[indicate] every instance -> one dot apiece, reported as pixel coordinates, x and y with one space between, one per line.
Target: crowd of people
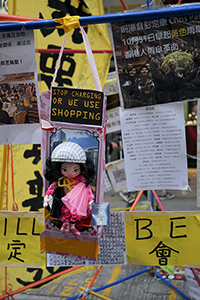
161 79
15 99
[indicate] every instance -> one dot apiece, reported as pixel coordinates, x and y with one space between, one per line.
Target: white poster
19 94
155 147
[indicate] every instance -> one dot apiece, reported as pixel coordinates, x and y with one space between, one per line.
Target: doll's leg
74 230
65 227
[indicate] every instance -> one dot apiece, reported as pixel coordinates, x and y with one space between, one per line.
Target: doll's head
69 159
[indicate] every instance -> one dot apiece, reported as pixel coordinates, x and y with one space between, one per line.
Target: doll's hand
46 201
90 204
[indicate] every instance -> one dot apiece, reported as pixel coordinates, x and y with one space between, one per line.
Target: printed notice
152 62
19 93
155 147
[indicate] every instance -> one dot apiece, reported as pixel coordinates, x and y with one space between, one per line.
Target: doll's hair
53 171
88 171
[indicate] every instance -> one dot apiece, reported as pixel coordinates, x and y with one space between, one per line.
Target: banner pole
174 11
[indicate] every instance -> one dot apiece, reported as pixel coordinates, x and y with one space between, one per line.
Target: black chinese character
162 252
16 245
63 76
35 188
34 152
38 275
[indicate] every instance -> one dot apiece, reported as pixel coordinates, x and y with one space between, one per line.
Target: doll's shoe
65 228
75 231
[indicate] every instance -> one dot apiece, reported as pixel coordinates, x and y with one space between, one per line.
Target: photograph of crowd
157 67
18 102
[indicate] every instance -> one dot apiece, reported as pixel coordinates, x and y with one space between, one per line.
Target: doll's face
70 170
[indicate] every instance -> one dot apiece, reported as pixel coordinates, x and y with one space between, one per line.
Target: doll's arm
48 199
51 188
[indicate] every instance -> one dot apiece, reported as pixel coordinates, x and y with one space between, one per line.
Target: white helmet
68 152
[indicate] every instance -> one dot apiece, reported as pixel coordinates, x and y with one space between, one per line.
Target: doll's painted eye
76 170
64 170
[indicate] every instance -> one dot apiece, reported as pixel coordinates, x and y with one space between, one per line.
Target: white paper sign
155 147
113 120
19 91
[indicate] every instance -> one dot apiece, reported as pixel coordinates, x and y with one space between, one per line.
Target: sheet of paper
113 120
155 147
21 134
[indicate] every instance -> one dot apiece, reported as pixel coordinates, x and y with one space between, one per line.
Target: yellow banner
74 69
163 238
20 239
21 178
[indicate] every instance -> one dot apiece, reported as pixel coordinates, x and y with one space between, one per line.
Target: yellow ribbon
68 23
64 181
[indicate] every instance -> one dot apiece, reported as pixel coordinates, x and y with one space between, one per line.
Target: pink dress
76 200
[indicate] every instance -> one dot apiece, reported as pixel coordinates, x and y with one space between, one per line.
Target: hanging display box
73 161
91 138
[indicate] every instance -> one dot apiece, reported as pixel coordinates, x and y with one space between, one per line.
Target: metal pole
174 11
172 286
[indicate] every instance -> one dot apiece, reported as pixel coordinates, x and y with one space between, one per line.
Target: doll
69 196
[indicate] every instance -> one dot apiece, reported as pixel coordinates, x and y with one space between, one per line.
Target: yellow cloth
68 23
